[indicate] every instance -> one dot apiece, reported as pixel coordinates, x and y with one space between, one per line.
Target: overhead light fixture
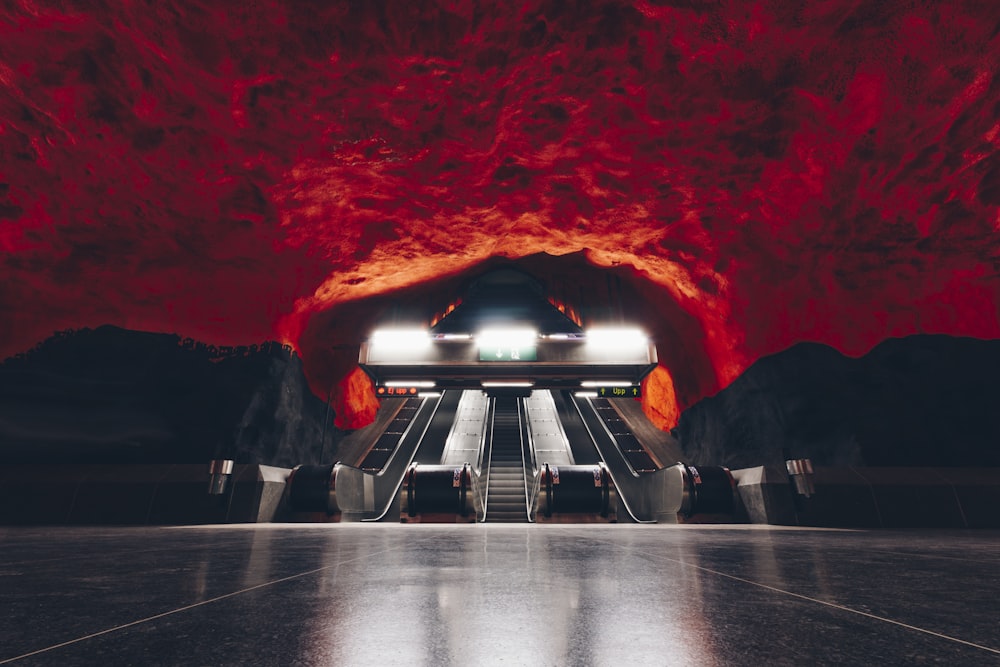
609 383
585 394
616 337
409 383
502 383
428 394
507 337
401 339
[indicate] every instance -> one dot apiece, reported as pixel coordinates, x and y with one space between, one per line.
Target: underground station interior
510 503
554 332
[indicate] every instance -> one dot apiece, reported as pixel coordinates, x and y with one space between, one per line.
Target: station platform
514 594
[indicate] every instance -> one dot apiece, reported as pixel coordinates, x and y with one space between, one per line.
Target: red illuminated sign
396 391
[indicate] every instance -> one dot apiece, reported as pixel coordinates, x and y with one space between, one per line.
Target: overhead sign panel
382 390
507 353
619 392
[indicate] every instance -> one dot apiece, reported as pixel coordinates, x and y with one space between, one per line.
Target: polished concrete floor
390 594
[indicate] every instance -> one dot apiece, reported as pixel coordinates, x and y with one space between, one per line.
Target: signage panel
508 353
619 392
395 391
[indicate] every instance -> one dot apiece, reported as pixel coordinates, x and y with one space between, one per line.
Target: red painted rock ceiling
761 173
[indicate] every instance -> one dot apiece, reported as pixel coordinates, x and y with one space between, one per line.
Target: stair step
505 500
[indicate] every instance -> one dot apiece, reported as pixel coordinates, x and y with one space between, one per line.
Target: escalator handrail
631 479
481 488
529 466
527 455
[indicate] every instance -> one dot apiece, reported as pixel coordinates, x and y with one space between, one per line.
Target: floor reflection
517 595
463 595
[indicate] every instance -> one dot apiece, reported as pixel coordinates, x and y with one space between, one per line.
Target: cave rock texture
111 395
761 173
914 401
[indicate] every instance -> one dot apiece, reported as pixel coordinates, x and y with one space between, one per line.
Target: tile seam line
195 605
833 605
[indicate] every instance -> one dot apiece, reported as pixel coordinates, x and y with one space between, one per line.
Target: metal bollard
801 473
219 471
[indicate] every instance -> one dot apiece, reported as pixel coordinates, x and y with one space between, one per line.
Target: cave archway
330 339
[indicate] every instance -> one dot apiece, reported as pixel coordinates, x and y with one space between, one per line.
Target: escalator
506 498
548 457
365 493
647 492
532 474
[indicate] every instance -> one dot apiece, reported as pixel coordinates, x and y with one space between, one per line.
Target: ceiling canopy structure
754 174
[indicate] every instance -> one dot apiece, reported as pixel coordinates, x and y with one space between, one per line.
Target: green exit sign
507 353
619 392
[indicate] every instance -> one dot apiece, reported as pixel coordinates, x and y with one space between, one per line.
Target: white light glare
507 337
409 339
409 383
585 394
608 383
499 383
616 338
428 394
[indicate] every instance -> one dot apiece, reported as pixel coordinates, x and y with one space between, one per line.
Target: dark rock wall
915 401
113 395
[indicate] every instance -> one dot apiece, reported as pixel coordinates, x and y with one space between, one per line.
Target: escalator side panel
580 442
548 439
432 445
468 431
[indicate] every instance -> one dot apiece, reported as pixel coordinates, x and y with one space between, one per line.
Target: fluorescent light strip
607 383
405 383
616 337
428 394
516 337
407 338
508 384
585 394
